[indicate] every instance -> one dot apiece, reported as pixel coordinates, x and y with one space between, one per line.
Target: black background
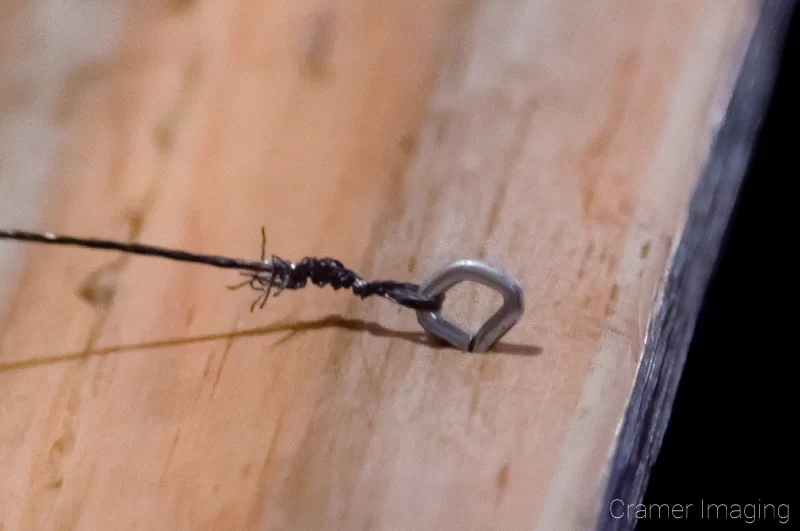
731 437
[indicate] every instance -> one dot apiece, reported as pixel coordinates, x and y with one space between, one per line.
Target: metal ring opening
497 325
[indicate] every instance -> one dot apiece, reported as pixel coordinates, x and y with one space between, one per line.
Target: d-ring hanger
269 277
497 325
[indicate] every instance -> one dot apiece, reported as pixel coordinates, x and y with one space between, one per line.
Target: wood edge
671 328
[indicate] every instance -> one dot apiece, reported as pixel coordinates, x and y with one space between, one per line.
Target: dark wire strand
137 248
268 277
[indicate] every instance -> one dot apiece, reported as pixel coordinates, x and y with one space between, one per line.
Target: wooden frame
593 150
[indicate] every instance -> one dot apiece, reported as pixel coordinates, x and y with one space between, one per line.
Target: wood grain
560 141
670 330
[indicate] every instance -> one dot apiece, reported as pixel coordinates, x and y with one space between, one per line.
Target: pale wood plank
558 140
671 328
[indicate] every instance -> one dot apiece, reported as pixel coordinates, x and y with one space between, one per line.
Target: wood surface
560 141
710 210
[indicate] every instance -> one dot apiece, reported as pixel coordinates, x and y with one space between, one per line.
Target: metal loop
495 328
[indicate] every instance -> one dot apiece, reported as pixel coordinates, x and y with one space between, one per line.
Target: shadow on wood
332 321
